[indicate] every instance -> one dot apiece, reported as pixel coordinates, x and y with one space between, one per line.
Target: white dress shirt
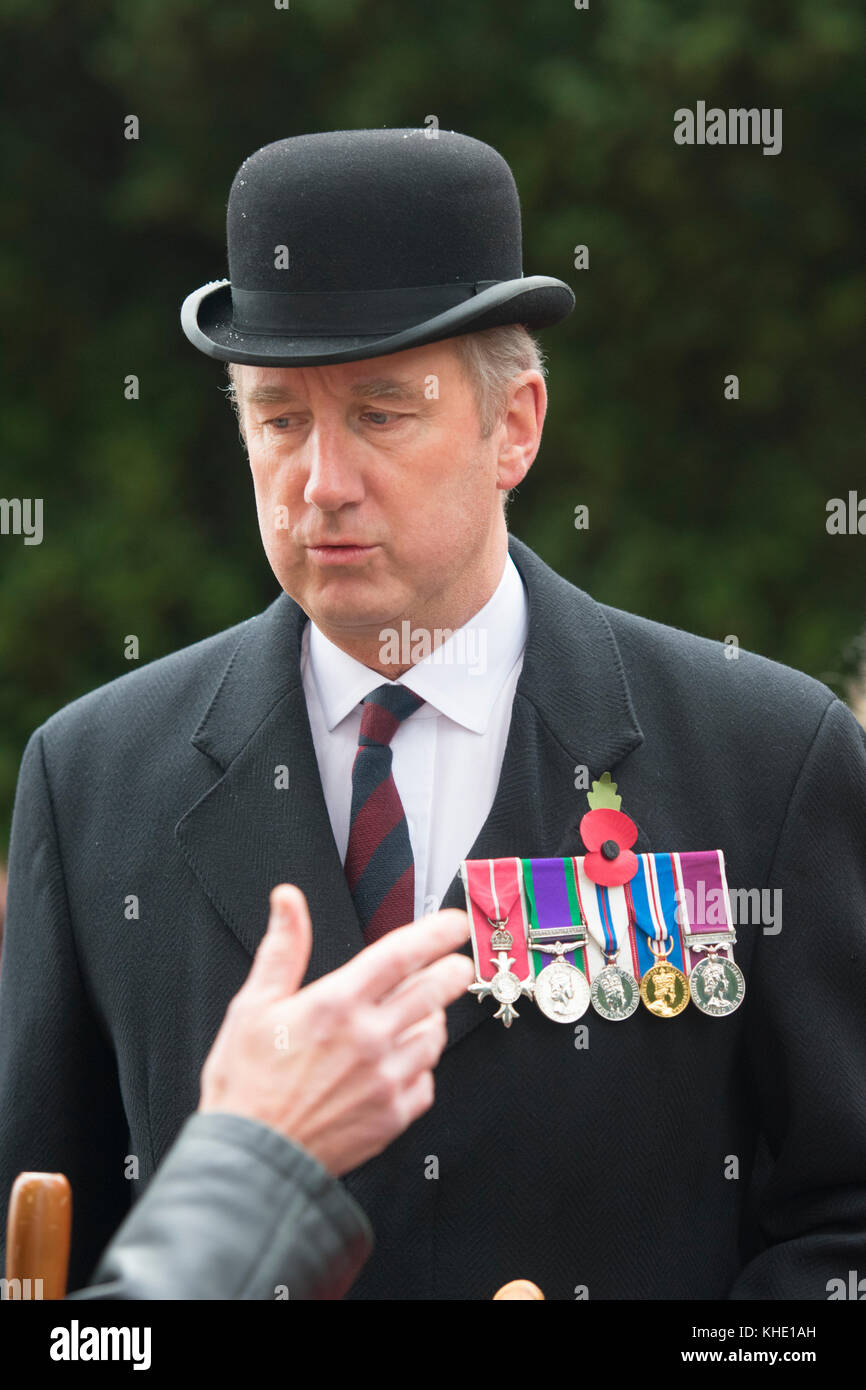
447 756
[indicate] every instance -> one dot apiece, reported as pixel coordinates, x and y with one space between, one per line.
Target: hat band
284 314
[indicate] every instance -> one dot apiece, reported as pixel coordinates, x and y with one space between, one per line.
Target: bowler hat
348 244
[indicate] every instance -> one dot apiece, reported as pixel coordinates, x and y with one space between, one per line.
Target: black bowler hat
356 243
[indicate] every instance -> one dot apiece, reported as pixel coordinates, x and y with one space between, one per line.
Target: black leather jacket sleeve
235 1211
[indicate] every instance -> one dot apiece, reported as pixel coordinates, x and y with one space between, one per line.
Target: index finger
376 970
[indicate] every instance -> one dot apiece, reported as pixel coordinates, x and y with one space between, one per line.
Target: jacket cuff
236 1211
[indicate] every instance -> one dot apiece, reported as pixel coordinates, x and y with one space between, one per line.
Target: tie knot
383 711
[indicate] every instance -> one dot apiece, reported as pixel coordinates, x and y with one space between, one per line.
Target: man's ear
524 419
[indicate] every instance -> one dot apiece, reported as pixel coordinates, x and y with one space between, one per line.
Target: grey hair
491 359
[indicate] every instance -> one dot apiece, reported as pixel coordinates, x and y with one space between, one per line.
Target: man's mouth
339 552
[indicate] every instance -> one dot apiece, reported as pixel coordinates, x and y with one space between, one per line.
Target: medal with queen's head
717 986
664 990
615 993
561 990
556 931
716 983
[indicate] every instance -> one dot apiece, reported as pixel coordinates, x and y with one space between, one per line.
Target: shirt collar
460 679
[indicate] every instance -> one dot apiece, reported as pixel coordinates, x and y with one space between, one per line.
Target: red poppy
609 836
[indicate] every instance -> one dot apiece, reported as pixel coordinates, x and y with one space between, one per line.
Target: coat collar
572 672
572 709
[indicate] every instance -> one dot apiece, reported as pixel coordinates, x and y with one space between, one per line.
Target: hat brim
536 301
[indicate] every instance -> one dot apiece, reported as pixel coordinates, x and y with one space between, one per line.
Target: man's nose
333 475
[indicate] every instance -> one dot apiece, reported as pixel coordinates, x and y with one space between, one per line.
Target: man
677 1158
247 1203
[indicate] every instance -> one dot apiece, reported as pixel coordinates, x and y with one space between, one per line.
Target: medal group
534 922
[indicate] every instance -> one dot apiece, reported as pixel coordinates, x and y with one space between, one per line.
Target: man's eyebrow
376 388
392 388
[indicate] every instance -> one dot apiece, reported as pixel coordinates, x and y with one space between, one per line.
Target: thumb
284 951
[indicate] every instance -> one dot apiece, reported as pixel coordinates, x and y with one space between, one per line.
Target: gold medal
664 989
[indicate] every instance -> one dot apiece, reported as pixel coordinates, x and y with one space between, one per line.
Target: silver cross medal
506 987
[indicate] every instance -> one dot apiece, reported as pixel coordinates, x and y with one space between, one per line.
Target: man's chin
342 603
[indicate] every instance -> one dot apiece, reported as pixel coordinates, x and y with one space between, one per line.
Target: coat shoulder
674 674
716 678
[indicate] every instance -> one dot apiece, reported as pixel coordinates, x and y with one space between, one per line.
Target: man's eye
378 418
384 416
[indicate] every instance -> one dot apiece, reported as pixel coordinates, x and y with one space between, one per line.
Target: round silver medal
717 986
615 993
561 992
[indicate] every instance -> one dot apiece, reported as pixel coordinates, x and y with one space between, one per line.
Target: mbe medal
561 988
495 910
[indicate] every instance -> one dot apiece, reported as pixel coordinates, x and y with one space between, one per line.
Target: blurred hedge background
704 513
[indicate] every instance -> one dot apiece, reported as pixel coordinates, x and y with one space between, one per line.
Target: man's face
377 498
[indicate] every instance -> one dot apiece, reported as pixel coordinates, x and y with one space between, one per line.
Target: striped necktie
380 870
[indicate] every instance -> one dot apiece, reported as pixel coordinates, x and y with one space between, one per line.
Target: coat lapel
247 834
572 709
